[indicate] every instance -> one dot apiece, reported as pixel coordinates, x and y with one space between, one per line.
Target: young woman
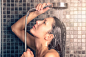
44 31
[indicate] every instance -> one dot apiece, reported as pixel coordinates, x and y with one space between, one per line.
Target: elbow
12 28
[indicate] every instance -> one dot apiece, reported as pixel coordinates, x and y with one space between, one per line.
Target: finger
41 6
37 8
44 4
28 49
24 53
31 52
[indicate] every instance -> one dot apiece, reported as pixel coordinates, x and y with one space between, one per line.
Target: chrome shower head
60 5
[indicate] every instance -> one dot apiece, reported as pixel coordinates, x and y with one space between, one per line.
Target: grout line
0 28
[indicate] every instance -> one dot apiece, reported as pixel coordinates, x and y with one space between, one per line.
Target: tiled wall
74 18
76 29
75 21
12 10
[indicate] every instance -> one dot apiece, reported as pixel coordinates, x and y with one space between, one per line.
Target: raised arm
18 27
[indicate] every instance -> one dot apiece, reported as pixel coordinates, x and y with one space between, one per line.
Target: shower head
60 5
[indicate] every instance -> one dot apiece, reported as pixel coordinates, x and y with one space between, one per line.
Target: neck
41 47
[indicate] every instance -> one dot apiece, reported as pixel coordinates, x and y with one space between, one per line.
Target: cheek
41 29
38 32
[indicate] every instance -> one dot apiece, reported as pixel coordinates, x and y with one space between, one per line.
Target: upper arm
52 54
29 38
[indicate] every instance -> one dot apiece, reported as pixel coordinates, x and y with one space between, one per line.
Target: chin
32 31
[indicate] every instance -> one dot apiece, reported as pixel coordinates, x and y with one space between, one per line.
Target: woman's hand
40 7
28 53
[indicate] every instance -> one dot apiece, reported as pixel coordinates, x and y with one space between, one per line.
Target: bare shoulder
52 53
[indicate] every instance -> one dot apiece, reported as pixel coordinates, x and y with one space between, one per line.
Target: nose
39 22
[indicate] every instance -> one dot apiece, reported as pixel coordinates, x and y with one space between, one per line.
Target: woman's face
41 27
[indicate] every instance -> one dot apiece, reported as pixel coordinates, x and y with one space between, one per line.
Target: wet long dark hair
56 31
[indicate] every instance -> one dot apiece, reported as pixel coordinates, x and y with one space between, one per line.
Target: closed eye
44 22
